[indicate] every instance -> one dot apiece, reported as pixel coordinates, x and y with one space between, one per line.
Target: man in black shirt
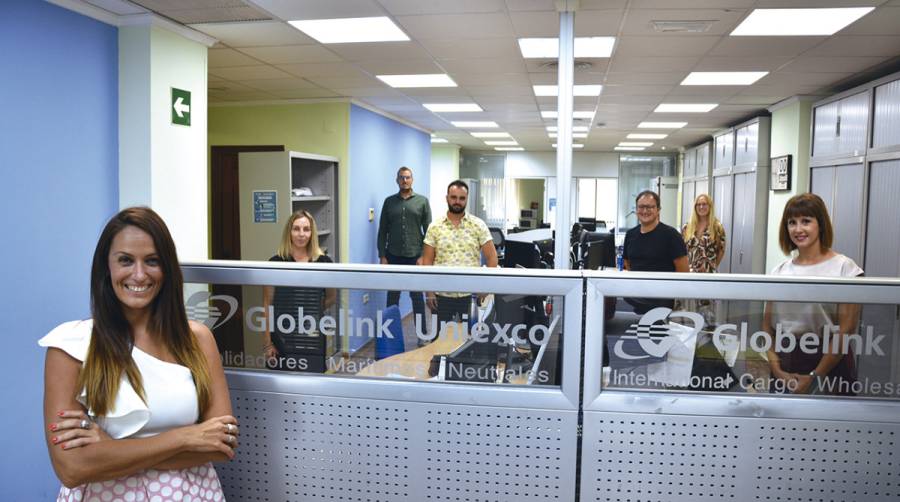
653 246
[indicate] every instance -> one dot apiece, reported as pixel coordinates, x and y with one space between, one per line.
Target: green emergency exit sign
181 107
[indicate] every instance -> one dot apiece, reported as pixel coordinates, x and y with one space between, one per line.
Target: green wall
790 136
531 190
319 128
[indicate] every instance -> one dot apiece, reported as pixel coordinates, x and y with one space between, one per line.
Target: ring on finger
229 428
85 423
230 439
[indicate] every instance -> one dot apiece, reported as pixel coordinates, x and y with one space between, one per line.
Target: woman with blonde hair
299 244
135 399
704 237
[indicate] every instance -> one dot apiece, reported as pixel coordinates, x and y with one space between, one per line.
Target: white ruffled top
169 388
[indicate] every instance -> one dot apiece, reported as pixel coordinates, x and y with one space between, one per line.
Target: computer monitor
522 255
601 252
589 224
527 213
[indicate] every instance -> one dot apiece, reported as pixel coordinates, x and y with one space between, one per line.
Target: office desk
414 363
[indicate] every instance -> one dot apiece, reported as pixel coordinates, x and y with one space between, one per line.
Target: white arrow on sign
180 107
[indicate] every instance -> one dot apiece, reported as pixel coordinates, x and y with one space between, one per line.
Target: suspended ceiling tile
501 100
510 107
385 100
801 4
400 67
530 5
317 9
523 91
219 15
535 24
287 54
765 46
722 21
631 78
322 69
258 72
673 45
710 91
882 21
472 48
802 79
652 64
492 79
244 96
418 7
659 91
345 82
425 92
455 26
805 64
379 50
597 65
857 45
482 66
691 4
223 58
753 100
254 34
305 94
279 84
742 63
601 4
597 23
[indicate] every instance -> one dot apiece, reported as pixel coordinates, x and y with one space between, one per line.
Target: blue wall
378 147
59 182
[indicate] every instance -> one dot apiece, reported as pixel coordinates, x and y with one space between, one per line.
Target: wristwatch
813 373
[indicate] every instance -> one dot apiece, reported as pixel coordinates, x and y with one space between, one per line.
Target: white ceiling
262 58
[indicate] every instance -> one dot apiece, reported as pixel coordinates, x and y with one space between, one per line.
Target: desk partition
352 408
690 406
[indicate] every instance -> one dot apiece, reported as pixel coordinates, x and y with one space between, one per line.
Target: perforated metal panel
302 448
644 458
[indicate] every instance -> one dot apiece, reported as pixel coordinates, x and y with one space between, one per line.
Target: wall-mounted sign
180 106
781 173
265 206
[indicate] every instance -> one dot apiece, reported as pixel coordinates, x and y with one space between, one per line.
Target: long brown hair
112 338
713 226
312 247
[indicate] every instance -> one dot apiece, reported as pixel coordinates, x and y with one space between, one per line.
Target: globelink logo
656 335
201 307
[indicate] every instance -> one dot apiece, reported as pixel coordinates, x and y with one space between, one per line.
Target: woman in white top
806 228
135 399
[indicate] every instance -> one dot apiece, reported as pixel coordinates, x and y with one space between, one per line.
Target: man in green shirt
405 217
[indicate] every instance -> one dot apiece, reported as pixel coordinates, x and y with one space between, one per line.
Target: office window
597 199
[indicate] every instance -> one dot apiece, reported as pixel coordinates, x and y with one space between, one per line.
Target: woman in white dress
806 228
135 400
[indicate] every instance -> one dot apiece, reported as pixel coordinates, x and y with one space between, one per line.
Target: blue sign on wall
265 205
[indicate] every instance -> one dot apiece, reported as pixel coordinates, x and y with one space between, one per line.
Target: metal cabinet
840 126
722 188
841 188
886 121
724 156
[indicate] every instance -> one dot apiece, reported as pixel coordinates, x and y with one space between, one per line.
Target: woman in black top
299 243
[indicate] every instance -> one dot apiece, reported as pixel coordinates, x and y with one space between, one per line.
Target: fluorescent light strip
635 143
661 125
798 22
552 114
723 77
630 148
585 47
491 134
574 128
423 80
575 135
475 124
351 30
685 107
574 145
642 135
502 143
509 148
577 90
452 107
439 140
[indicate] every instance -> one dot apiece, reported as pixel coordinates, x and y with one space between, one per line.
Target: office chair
499 241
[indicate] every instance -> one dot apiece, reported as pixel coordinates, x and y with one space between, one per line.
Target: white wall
444 169
163 165
543 164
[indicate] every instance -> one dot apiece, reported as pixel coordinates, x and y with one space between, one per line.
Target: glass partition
752 346
469 336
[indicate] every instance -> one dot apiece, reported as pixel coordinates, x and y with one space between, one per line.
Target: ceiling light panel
491 134
575 135
629 148
351 30
423 80
574 128
574 145
643 135
661 125
685 107
723 77
577 90
585 114
439 140
502 143
635 143
509 148
475 124
585 47
453 107
798 22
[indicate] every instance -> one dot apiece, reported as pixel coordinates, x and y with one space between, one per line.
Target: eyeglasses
702 204
404 177
645 208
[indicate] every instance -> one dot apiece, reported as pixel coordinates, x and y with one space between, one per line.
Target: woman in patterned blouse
704 237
